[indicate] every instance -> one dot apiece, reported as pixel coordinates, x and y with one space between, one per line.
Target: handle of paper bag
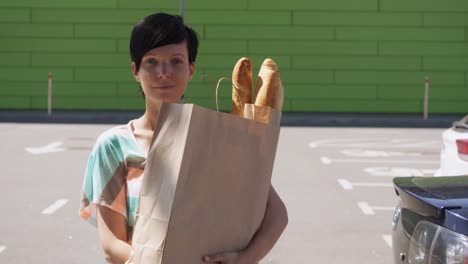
236 86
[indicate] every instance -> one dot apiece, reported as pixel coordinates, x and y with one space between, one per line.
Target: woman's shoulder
114 136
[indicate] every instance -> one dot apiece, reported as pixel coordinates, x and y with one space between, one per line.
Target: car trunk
432 194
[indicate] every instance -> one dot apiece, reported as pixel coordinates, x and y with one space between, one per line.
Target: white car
454 152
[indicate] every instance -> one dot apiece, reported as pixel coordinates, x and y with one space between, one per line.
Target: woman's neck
150 117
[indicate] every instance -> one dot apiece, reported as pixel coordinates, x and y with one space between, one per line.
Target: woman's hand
229 258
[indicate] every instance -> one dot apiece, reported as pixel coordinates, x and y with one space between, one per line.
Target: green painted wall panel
438 92
306 77
448 107
103 31
127 88
103 74
445 19
15 15
269 32
60 3
34 73
237 47
376 106
221 17
381 33
59 88
423 48
22 88
356 19
15 59
388 77
81 59
444 63
189 5
313 47
333 55
314 5
14 102
36 30
89 103
368 92
424 5
57 45
356 62
86 16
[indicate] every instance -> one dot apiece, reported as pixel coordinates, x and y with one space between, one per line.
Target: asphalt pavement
335 181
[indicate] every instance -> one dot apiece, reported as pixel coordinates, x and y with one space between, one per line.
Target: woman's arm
112 231
273 225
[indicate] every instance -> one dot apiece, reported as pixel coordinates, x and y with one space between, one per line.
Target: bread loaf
242 86
269 89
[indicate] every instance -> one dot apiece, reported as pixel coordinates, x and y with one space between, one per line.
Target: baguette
269 89
242 78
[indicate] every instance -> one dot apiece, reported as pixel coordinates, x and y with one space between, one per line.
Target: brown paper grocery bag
205 184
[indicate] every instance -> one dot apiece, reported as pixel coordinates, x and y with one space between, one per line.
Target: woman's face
164 72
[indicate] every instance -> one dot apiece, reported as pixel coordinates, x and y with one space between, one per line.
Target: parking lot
336 183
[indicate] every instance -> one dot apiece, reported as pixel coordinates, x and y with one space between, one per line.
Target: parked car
454 152
430 223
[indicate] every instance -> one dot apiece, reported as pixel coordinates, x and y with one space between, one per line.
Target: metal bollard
182 8
426 97
49 95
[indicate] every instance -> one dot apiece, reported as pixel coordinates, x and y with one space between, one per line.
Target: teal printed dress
113 175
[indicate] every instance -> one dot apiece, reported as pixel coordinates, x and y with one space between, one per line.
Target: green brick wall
334 55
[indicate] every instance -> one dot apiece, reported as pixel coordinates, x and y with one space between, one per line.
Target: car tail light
462 146
433 244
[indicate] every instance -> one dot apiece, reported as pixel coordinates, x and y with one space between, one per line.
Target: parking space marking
398 171
388 240
347 185
328 161
2 248
370 210
54 206
375 143
52 147
325 160
372 153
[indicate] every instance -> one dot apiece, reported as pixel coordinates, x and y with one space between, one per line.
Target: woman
163 51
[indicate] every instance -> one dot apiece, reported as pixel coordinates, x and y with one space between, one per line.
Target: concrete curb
288 119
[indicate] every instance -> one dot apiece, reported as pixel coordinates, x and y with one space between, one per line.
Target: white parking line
325 160
365 208
2 248
388 240
398 171
370 210
347 185
54 206
328 161
375 143
52 147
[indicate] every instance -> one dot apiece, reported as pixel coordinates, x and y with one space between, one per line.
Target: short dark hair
158 30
